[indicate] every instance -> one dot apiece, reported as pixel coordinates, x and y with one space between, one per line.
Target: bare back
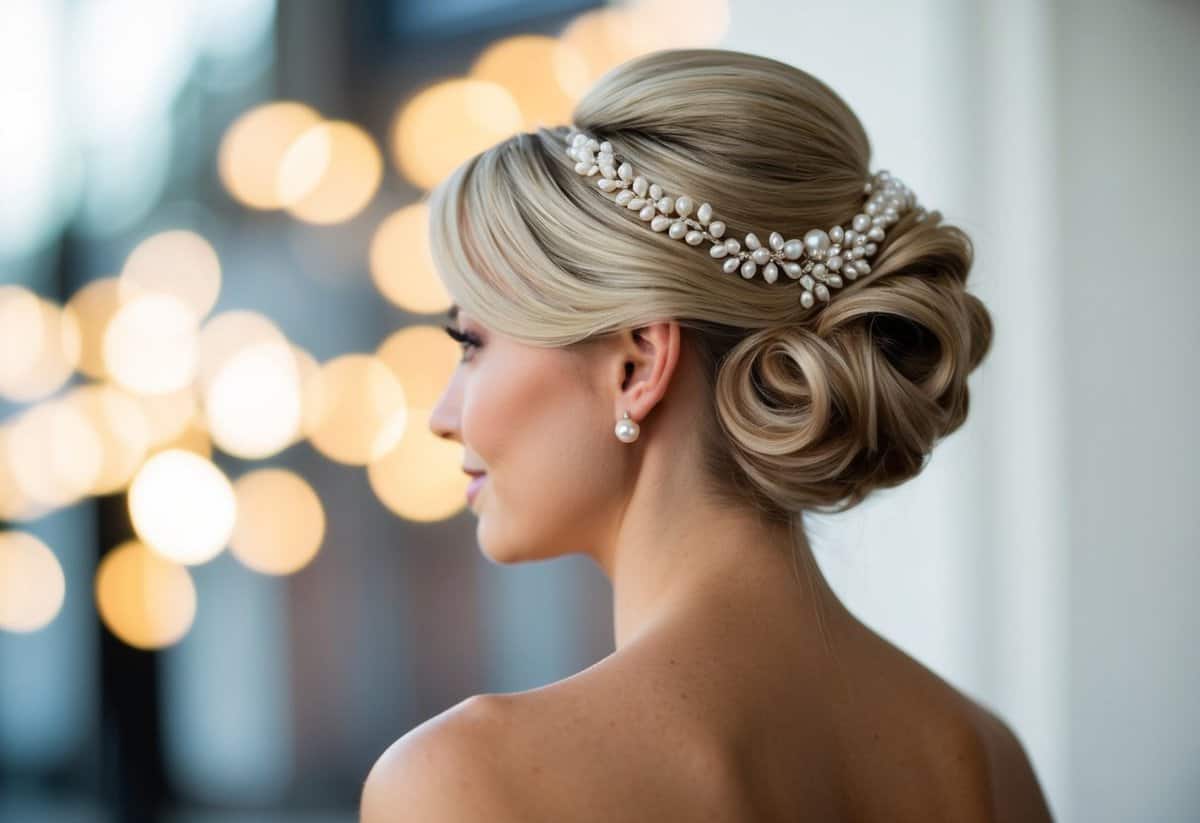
688 728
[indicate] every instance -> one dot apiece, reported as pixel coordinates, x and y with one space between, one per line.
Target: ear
649 357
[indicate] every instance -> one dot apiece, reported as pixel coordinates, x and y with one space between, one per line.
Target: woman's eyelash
462 337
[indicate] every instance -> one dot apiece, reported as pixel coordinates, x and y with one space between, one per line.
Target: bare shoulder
970 765
445 769
1016 793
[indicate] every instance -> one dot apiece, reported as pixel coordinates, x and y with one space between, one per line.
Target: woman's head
785 408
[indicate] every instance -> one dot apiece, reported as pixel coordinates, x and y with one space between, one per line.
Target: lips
475 485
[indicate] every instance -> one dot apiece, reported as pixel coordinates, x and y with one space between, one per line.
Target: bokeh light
423 358
54 454
250 384
657 24
253 147
20 334
421 478
280 521
94 305
194 439
354 409
401 264
40 345
150 344
608 36
182 506
448 122
545 75
145 599
330 173
253 404
122 431
169 414
32 584
228 334
604 37
179 263
307 366
15 504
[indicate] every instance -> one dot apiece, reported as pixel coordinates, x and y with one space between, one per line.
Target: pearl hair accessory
627 429
831 257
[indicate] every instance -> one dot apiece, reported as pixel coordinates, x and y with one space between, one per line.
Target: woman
686 320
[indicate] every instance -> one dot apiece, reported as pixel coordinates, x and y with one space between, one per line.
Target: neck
707 561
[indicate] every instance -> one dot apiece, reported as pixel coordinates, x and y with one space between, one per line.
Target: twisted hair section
819 415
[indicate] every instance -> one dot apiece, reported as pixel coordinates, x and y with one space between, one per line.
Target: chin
503 558
506 552
494 550
500 553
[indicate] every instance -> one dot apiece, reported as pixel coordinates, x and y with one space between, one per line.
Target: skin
738 689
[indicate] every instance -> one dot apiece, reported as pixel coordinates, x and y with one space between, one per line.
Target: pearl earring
627 430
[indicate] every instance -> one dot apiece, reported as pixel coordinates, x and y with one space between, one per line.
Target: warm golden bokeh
657 24
15 504
354 409
545 76
182 506
193 438
180 263
307 366
423 359
330 173
20 334
32 584
123 431
401 264
605 37
252 405
280 522
94 305
40 344
225 335
253 147
168 415
54 453
150 344
608 36
143 598
421 478
448 122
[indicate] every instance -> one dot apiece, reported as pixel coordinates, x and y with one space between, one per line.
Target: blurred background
234 563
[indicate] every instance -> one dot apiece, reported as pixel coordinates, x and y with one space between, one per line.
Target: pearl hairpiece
830 257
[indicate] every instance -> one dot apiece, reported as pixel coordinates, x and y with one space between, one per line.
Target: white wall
1129 116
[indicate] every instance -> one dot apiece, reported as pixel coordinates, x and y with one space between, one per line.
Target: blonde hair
812 409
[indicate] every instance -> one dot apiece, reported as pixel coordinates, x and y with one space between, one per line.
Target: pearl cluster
822 260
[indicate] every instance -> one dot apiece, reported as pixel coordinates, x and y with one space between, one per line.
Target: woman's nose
443 420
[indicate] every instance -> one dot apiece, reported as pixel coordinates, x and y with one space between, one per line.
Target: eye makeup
466 338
